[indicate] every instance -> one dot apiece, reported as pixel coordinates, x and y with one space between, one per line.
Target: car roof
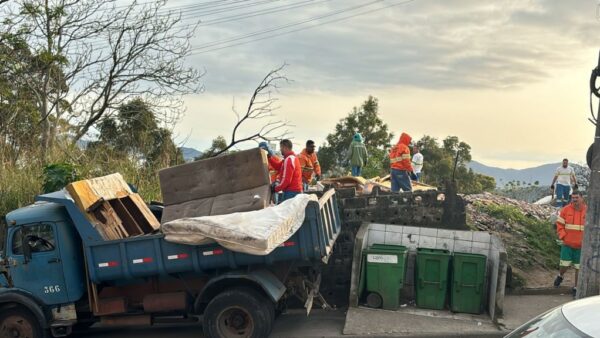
583 314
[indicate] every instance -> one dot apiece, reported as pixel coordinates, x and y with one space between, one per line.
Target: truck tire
19 322
238 313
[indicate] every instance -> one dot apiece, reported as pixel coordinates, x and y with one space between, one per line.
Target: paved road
292 325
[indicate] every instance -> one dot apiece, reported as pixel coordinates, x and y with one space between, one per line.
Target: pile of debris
529 238
484 222
365 186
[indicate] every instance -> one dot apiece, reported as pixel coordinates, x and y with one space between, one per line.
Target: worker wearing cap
310 164
289 172
569 226
401 167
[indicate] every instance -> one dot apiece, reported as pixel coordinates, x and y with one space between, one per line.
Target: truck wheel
17 322
238 313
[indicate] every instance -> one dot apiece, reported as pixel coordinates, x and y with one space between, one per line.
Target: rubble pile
485 222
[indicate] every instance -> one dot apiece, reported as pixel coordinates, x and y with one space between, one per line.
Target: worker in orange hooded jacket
569 227
310 164
401 166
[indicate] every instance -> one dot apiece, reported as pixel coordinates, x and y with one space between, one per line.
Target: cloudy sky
508 77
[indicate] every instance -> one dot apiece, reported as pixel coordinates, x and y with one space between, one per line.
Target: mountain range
542 174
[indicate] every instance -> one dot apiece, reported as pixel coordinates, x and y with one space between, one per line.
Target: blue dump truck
58 275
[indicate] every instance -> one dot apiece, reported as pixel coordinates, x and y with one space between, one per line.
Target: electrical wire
205 48
297 23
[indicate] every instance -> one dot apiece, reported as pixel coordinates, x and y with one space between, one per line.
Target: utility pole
589 275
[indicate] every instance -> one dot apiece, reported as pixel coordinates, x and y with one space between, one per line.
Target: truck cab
43 266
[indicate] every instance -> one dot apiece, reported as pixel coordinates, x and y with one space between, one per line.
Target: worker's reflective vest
570 225
400 154
310 165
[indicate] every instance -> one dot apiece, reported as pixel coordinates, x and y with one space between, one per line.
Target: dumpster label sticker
386 259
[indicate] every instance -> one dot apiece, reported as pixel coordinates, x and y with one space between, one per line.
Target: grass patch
539 235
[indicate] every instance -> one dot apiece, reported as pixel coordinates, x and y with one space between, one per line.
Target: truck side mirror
25 246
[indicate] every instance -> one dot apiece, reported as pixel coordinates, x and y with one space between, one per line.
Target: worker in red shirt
289 172
569 227
310 164
401 166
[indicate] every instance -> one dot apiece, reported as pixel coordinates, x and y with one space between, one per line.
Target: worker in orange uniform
289 171
401 166
273 173
569 226
310 164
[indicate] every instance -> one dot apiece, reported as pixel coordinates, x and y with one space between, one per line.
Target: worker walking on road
273 173
417 162
570 226
357 155
289 171
563 177
310 164
401 166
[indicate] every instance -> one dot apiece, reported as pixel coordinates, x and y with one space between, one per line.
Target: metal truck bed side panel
151 255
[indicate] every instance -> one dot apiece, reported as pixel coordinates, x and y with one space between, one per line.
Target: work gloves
575 187
318 177
552 187
264 146
413 176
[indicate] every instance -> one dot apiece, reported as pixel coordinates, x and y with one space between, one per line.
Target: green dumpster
385 269
431 282
468 280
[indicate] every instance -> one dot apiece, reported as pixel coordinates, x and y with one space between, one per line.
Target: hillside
528 234
189 154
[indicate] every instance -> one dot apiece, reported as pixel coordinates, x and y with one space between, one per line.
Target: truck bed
152 255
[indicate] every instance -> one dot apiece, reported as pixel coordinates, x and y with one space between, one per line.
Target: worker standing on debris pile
310 164
357 155
401 166
564 177
570 226
417 162
273 173
289 171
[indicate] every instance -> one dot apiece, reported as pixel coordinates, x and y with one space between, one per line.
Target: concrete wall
476 242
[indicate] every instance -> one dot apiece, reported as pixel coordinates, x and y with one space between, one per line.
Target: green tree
217 146
440 160
365 120
134 134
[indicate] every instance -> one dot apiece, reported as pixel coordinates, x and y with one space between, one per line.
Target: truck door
35 262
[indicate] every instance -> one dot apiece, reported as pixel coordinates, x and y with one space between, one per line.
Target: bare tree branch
261 106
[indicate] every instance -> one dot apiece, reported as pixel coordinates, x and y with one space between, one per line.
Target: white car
579 318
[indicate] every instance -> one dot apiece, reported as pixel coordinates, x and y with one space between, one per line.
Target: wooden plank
145 211
129 222
109 222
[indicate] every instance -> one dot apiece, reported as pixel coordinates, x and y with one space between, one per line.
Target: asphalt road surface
290 325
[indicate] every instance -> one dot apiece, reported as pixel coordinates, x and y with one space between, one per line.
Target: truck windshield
551 324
